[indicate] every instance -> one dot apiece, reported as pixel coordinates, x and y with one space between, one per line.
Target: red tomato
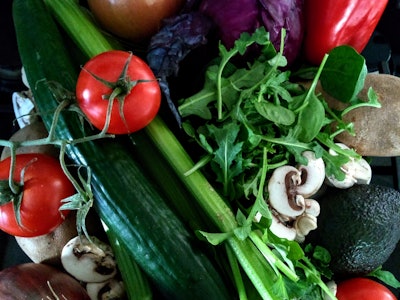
133 19
140 104
363 289
44 186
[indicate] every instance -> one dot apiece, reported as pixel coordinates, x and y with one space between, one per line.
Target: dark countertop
10 65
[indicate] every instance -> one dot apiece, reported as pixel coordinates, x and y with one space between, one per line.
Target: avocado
359 226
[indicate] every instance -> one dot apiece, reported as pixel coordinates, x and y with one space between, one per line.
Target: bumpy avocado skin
359 226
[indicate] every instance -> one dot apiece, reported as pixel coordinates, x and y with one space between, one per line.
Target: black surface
10 66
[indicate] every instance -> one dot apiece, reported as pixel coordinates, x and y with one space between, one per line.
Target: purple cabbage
234 17
182 34
169 47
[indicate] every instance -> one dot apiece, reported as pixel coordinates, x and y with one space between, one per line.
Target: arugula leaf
310 120
227 162
275 113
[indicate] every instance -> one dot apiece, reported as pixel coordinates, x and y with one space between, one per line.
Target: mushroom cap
87 261
358 171
281 230
304 224
282 189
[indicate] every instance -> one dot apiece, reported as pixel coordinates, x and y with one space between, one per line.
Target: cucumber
125 199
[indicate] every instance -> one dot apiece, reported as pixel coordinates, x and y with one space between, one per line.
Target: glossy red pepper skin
332 23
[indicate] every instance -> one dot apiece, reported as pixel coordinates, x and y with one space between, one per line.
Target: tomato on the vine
42 184
128 78
363 289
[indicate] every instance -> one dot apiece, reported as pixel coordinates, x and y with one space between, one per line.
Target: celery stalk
208 198
213 204
80 27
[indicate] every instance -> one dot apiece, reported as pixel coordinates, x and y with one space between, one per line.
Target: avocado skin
359 226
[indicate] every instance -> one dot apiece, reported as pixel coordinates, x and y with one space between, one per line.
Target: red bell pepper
332 23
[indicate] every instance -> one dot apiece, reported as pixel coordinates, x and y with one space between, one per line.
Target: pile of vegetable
186 166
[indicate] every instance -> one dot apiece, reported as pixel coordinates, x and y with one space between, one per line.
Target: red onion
39 281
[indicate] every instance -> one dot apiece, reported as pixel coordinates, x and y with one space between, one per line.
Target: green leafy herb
386 277
246 109
251 120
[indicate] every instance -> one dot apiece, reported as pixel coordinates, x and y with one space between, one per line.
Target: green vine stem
50 140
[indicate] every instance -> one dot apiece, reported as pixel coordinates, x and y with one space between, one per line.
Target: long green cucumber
126 200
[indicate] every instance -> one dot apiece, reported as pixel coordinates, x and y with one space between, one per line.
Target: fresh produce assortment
211 180
147 228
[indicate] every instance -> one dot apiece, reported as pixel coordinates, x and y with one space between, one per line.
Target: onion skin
133 20
33 281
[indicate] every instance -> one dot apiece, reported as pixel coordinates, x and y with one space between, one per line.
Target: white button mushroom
288 192
303 225
87 261
312 207
282 191
356 172
289 186
280 229
332 286
110 289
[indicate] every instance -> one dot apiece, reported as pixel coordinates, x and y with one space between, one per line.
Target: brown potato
47 248
377 129
33 131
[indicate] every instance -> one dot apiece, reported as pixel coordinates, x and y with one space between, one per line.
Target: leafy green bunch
244 110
